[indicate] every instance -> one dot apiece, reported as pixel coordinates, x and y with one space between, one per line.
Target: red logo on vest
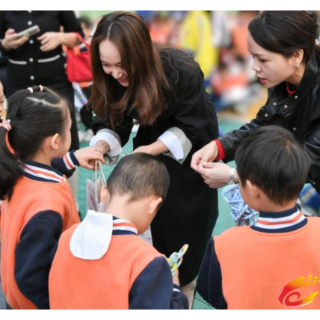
289 295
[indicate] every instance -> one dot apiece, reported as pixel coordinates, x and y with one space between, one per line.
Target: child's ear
104 195
55 140
154 205
253 190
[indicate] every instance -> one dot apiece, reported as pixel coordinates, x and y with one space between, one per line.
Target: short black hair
140 175
274 161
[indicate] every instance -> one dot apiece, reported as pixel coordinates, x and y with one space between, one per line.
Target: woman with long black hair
163 90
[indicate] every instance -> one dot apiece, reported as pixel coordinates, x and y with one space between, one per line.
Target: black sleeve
231 140
2 33
34 255
209 283
312 146
60 164
192 112
123 129
154 289
70 22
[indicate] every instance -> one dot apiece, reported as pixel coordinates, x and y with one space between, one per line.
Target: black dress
190 210
29 66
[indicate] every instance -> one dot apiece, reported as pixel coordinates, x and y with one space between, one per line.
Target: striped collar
123 227
41 172
92 237
279 222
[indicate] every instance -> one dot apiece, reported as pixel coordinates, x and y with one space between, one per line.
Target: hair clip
30 89
41 87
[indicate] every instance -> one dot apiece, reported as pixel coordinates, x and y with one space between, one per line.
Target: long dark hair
285 32
148 85
33 117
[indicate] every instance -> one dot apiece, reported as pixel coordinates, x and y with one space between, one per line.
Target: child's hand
87 157
175 278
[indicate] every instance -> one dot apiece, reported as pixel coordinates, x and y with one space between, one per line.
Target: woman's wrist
63 38
158 147
5 45
103 146
233 176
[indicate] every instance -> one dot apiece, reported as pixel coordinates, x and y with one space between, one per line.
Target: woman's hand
155 148
87 157
215 174
51 40
208 153
143 149
12 41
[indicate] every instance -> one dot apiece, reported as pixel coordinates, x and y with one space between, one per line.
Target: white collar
92 237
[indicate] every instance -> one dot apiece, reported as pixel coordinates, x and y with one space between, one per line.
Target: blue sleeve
60 164
209 283
154 289
34 255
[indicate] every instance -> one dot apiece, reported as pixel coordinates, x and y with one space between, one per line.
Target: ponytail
35 113
10 171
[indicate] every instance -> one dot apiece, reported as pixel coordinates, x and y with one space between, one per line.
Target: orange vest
98 284
29 197
270 270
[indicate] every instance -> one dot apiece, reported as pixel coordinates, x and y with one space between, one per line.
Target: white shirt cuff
173 144
110 138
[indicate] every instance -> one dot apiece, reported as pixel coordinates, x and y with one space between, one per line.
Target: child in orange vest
273 264
101 263
38 204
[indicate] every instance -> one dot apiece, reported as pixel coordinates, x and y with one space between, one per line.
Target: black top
299 113
189 107
28 64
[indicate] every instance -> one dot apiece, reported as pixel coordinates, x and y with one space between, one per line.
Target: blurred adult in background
39 59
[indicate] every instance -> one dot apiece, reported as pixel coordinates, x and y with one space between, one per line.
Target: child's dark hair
140 175
274 161
33 117
285 32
